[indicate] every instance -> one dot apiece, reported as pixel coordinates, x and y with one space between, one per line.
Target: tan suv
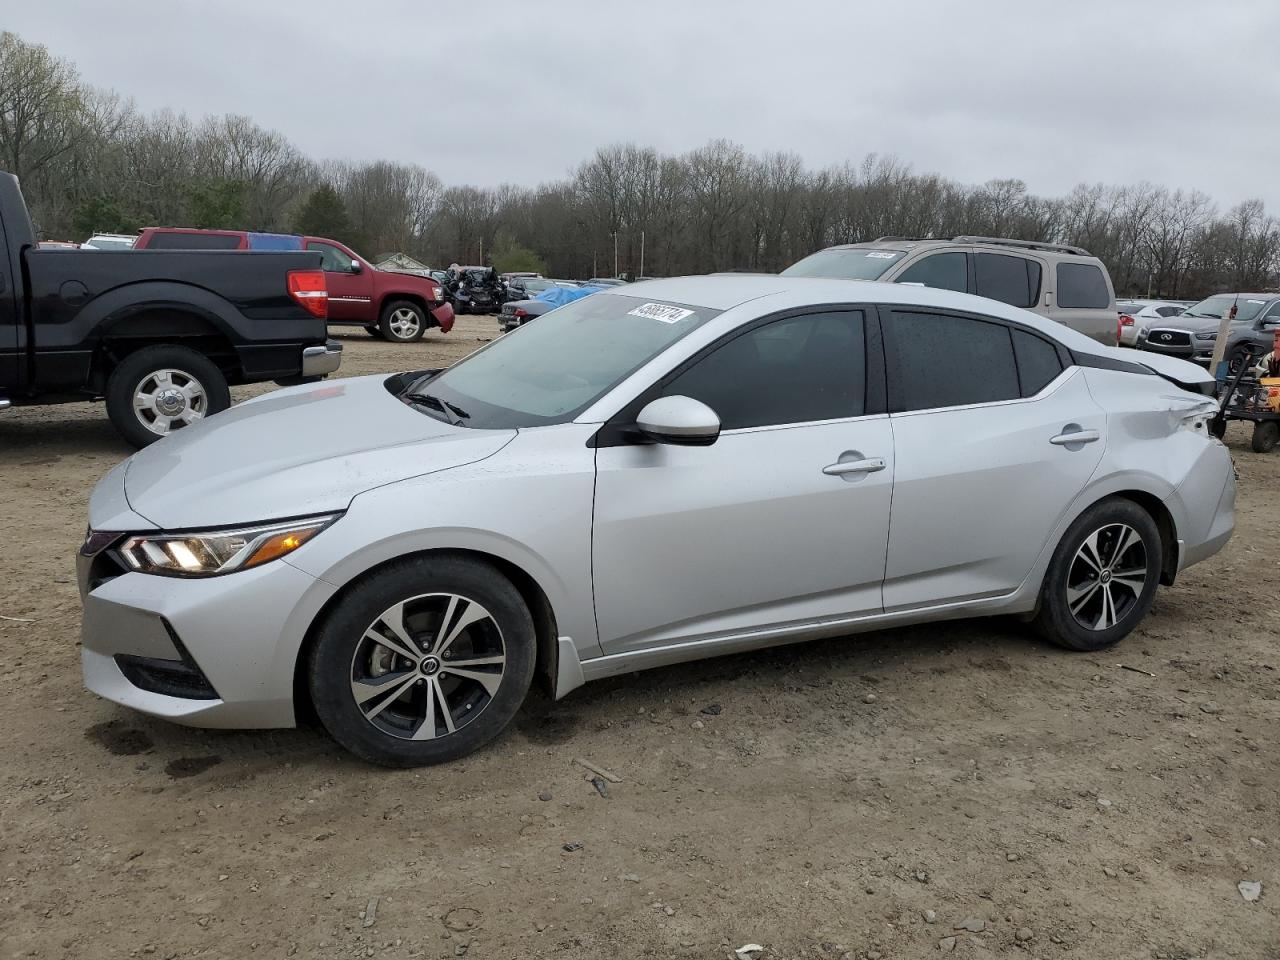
1062 283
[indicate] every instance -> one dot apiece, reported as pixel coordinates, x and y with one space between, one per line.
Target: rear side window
945 271
1169 311
937 360
193 241
1038 361
796 370
1082 286
1011 280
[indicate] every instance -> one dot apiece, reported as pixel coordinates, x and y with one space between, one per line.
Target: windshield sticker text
660 312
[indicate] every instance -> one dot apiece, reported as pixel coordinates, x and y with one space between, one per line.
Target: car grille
1169 338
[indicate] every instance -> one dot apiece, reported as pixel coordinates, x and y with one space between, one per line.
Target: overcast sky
1185 94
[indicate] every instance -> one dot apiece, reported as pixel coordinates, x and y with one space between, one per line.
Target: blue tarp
559 296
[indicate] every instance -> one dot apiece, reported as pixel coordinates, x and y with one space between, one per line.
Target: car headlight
437 293
218 551
1206 336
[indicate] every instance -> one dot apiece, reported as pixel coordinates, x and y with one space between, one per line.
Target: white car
657 473
1137 315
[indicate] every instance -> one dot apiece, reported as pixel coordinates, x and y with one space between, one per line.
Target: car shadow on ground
542 722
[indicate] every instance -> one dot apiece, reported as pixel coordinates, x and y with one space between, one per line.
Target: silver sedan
662 472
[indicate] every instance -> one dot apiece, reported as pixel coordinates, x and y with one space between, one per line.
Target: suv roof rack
1026 244
900 239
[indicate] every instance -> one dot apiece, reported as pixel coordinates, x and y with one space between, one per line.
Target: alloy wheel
165 400
1106 577
404 323
428 666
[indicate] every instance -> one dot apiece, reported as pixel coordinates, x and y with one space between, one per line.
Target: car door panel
978 489
748 533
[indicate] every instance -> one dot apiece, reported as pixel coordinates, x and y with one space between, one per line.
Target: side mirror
679 420
356 266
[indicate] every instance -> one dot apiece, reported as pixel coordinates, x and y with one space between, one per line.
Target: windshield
1216 307
845 263
550 371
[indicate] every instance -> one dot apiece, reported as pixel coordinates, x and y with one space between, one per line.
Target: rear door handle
1076 436
840 469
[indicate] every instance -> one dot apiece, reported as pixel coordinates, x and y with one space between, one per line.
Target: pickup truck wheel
402 322
159 390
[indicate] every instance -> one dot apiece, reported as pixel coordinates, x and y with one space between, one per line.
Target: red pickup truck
396 306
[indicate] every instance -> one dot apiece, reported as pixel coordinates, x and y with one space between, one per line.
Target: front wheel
158 390
1102 579
402 322
423 662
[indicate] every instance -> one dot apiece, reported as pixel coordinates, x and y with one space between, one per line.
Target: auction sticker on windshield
660 311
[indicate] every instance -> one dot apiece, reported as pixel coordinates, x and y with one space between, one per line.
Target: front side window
939 360
1011 280
944 271
331 258
1272 316
1169 311
550 371
845 263
1082 286
796 370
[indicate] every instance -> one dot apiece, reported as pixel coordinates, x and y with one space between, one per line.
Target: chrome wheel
404 323
428 666
166 400
1106 577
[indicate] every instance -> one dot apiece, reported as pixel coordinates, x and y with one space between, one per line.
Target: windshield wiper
444 406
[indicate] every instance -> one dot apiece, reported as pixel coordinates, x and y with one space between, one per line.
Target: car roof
727 291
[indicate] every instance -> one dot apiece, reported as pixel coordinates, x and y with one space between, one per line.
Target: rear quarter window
1082 286
1009 279
193 241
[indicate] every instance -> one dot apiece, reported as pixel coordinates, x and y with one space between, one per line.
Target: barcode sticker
660 312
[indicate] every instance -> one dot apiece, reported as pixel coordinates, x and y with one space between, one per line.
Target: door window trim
620 431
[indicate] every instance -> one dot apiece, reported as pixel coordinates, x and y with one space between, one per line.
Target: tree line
90 161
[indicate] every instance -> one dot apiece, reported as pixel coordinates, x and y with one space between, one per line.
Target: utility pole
615 254
641 273
482 251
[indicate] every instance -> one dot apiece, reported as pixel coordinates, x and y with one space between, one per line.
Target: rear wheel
1102 578
1265 435
402 322
423 662
159 390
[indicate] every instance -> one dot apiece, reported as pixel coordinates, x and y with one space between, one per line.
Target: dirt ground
859 797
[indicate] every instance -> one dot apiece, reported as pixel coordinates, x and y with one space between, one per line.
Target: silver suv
1060 282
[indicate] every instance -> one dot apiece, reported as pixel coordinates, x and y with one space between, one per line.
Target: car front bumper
232 641
320 361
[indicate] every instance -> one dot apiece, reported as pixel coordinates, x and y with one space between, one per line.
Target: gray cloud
1183 94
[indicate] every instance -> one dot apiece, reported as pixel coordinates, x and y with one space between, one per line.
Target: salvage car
159 336
475 289
390 304
645 476
1059 281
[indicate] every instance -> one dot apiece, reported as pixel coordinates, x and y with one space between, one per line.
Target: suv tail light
308 288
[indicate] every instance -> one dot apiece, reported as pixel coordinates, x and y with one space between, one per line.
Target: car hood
294 452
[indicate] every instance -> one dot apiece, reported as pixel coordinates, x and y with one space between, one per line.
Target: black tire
1238 356
1077 629
137 373
373 331
1265 435
402 322
343 656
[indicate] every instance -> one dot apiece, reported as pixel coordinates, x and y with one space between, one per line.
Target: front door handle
845 467
1075 436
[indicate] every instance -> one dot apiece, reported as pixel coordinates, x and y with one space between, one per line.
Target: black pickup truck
158 335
